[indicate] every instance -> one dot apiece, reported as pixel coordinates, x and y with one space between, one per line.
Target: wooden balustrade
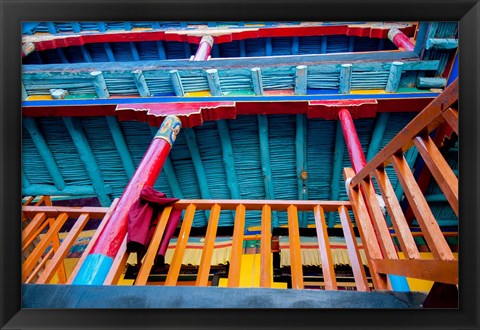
377 239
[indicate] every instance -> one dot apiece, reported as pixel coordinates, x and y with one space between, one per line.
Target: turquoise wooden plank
198 165
121 144
43 189
243 52
80 141
135 55
377 134
265 159
336 169
25 182
51 27
351 44
301 80
109 51
214 82
228 159
295 45
394 77
257 81
436 198
24 92
268 47
441 43
141 84
425 82
301 163
162 54
323 45
422 35
345 78
44 151
177 83
100 84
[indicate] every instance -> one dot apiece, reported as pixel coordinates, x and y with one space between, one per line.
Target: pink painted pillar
400 39
204 49
352 141
97 264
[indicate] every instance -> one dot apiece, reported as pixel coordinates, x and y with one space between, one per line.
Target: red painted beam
371 31
110 239
400 39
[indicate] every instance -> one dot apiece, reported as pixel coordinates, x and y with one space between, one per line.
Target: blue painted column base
94 270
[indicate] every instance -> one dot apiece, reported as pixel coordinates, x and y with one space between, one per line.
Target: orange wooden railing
380 250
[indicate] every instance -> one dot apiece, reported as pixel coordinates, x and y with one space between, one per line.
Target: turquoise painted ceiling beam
301 163
228 159
377 135
44 151
121 144
336 169
87 157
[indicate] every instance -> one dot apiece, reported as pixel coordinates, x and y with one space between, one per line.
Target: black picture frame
13 12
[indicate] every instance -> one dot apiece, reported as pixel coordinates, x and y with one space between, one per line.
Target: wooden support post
121 145
243 52
177 83
351 44
214 82
237 248
44 151
198 165
425 82
257 81
182 241
266 248
161 50
134 50
100 85
141 84
301 80
345 78
295 252
265 159
96 266
400 39
295 45
87 157
228 159
324 249
204 49
394 77
32 227
205 261
353 250
268 47
337 169
411 156
118 265
323 45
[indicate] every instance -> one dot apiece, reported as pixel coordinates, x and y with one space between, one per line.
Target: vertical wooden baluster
266 248
324 249
451 116
204 268
92 241
39 267
353 251
36 222
152 250
295 252
441 171
62 275
182 241
237 248
36 234
404 235
62 251
429 225
372 248
118 264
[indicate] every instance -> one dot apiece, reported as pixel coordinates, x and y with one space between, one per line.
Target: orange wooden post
266 248
34 235
324 249
62 251
152 250
33 258
92 241
36 222
430 228
182 241
295 252
441 171
237 248
353 251
205 261
62 275
39 267
118 264
372 248
404 235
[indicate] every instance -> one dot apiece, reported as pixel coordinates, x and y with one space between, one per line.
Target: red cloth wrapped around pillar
142 220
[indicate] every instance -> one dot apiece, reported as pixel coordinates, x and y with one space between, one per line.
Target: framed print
250 165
